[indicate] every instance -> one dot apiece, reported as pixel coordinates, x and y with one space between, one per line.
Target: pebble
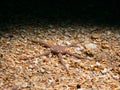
117 35
1 83
91 46
116 77
105 70
118 88
98 64
105 46
95 36
42 70
77 48
68 43
50 81
108 32
81 89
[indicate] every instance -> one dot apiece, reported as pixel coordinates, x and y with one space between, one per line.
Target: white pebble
81 89
42 70
91 46
117 35
105 70
77 48
50 81
116 76
98 64
68 43
1 83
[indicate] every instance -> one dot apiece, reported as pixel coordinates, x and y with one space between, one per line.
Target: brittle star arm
75 55
62 62
72 45
38 55
42 43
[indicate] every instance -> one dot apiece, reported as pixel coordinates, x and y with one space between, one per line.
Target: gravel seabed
101 44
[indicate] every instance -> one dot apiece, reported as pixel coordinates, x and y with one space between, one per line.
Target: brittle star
56 49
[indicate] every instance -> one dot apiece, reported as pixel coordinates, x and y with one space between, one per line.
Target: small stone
118 88
92 66
108 32
1 83
105 46
105 70
18 83
42 70
81 89
98 64
68 43
50 81
95 36
116 77
77 48
117 35
91 46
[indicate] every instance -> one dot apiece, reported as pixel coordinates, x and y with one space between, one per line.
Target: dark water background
92 11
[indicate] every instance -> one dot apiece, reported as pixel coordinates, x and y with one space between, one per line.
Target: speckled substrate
100 70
